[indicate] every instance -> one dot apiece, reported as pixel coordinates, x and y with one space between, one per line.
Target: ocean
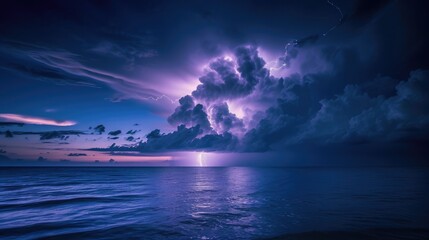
214 203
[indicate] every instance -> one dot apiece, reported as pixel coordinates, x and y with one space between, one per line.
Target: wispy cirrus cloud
64 67
35 120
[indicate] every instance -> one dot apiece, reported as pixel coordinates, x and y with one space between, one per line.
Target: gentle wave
75 200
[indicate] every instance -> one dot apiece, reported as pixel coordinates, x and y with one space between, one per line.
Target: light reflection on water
209 203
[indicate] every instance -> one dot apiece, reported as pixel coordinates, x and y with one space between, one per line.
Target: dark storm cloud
225 80
404 115
351 117
8 124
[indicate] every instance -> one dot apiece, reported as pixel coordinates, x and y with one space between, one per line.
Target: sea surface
214 203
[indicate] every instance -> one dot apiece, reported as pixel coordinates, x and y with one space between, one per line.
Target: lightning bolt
278 65
157 98
340 20
201 159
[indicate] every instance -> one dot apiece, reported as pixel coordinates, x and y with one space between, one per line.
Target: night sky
214 82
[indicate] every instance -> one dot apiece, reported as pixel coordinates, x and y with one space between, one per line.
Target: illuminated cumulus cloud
228 79
35 120
224 120
190 114
203 119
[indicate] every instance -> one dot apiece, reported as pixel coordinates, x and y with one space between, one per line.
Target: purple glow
35 120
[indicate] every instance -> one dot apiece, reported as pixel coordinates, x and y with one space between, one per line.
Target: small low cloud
100 129
35 120
8 134
62 135
132 132
47 135
115 133
10 124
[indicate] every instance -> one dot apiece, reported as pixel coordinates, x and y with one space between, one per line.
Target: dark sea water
214 203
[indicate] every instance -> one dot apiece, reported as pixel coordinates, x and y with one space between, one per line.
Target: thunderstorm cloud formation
288 117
